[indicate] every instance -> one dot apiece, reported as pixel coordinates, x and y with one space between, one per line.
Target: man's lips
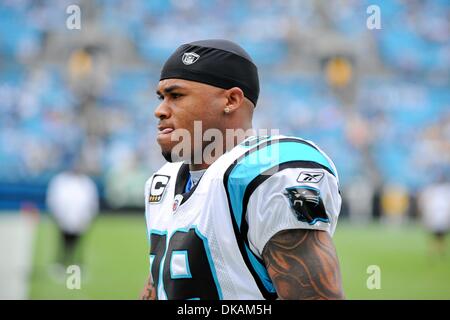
165 130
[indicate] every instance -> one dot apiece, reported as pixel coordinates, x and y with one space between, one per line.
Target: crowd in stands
377 101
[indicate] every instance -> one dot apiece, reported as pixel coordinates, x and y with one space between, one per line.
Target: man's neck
196 167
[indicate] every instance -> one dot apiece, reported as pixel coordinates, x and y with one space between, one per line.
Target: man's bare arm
149 292
303 265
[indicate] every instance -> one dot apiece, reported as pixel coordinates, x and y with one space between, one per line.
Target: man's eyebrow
169 89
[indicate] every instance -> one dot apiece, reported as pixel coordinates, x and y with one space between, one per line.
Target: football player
252 222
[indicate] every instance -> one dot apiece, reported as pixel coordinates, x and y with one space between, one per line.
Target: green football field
116 261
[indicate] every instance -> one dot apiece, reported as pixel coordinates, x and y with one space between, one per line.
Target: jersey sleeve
294 198
279 184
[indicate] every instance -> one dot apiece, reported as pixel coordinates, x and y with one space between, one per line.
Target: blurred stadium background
377 101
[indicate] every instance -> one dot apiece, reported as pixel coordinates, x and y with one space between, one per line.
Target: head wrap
220 63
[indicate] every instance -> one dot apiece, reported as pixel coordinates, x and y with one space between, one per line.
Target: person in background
434 205
73 201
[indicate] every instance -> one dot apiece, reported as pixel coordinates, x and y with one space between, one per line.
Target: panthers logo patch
307 204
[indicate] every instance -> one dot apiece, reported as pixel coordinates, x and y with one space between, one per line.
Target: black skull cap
217 62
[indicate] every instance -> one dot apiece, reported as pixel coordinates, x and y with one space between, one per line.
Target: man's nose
162 111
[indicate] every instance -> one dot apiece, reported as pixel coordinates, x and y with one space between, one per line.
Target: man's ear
235 98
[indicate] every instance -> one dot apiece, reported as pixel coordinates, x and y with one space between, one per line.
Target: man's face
182 103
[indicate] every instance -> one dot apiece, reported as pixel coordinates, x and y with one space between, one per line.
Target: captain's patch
158 187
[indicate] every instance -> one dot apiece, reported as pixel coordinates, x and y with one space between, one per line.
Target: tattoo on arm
149 291
303 265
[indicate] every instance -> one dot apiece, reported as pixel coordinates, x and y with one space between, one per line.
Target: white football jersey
208 243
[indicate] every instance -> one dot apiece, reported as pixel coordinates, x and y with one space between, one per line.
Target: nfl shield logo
176 203
190 58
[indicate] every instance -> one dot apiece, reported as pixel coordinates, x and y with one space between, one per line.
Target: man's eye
175 95
160 98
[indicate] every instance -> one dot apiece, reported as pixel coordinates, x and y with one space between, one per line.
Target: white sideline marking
16 248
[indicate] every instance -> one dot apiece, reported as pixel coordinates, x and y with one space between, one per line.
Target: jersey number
187 270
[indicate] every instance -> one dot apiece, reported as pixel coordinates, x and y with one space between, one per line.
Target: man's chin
166 150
